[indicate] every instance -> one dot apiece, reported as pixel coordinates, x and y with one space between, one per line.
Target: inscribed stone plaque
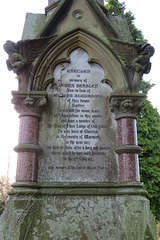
77 131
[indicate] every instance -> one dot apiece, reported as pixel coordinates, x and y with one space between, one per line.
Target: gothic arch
99 52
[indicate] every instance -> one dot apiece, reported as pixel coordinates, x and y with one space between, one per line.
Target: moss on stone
77 218
33 25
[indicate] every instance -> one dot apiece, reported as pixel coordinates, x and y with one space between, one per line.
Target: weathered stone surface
120 25
51 1
101 1
78 132
29 107
127 105
79 56
33 25
64 17
77 218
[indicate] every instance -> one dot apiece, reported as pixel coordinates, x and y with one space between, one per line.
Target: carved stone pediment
78 27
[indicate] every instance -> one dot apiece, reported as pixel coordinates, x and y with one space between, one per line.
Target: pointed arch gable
58 51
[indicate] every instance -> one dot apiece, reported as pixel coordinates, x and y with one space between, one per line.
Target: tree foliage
115 8
148 122
148 125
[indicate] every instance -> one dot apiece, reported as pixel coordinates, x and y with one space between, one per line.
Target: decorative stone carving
21 57
127 105
136 60
62 49
67 159
126 108
15 61
29 104
141 64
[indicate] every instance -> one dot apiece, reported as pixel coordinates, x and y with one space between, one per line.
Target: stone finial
127 105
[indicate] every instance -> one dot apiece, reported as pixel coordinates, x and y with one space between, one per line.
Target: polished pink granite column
129 167
28 130
127 131
128 162
29 106
27 166
126 107
27 161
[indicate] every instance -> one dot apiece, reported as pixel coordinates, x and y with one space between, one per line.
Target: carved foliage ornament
29 105
127 106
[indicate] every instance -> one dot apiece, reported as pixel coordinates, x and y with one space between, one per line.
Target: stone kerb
29 106
126 108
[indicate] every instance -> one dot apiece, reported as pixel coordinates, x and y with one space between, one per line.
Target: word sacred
78 71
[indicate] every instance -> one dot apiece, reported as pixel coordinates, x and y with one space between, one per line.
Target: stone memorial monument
77 168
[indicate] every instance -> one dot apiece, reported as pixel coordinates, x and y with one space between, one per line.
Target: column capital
127 105
29 104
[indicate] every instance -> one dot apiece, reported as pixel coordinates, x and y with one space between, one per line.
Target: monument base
77 211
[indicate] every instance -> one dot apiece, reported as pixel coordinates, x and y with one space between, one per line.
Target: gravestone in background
77 166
